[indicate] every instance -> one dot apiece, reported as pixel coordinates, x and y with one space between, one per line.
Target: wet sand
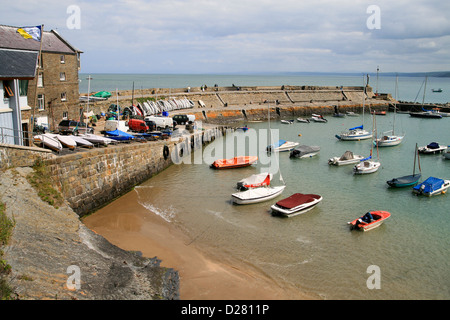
126 224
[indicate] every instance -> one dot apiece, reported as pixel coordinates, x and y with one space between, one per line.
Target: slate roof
52 41
17 64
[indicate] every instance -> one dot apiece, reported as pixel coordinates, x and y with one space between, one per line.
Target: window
62 58
65 115
41 104
40 80
23 88
62 76
63 96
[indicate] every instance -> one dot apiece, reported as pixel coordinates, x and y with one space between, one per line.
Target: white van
161 122
111 125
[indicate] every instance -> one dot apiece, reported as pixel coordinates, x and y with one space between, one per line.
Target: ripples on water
317 251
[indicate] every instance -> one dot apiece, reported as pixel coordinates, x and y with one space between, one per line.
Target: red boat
370 220
379 113
236 162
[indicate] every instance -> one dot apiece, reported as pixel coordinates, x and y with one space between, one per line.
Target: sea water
317 251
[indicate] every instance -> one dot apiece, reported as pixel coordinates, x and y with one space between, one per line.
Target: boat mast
424 91
395 103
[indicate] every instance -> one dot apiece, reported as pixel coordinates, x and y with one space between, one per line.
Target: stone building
53 93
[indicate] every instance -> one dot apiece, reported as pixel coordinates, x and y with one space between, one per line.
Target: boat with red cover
236 162
296 204
254 181
369 221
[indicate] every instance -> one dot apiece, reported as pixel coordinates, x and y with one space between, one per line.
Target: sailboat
425 113
368 165
409 180
389 140
357 133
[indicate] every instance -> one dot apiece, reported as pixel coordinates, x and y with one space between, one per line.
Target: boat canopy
297 199
348 155
360 127
279 143
303 149
429 185
119 135
433 145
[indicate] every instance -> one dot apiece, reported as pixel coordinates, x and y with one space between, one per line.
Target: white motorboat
318 118
256 195
352 114
296 204
255 181
347 158
282 145
287 121
432 148
303 120
304 151
366 166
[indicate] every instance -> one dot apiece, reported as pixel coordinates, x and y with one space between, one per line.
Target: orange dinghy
370 220
236 162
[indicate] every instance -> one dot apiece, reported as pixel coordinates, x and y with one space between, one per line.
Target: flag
31 32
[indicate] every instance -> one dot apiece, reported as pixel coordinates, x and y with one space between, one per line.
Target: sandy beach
131 227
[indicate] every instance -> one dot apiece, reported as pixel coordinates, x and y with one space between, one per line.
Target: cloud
204 36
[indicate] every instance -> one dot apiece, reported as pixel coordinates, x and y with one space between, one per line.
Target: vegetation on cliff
6 227
42 182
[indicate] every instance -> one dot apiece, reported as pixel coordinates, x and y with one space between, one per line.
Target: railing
16 137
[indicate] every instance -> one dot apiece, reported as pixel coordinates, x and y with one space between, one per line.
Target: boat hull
443 189
405 181
337 162
257 195
389 141
236 162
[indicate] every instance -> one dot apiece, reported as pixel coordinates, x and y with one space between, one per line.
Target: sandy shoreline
128 225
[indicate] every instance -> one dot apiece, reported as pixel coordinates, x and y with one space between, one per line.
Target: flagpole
37 77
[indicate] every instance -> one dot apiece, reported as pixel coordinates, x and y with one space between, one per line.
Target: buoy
299 134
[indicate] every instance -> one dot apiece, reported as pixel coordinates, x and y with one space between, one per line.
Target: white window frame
62 76
41 102
62 58
40 80
63 96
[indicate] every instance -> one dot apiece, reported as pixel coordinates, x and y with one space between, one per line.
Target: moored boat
287 121
355 134
236 162
255 181
432 186
347 158
303 120
281 146
447 154
318 118
369 221
366 166
304 151
296 204
256 195
409 180
432 148
388 140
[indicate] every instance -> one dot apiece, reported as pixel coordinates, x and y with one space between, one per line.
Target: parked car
183 118
137 125
151 125
74 127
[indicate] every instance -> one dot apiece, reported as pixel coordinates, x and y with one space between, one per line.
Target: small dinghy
48 141
304 151
318 118
369 221
236 162
347 158
432 148
98 140
255 181
432 186
287 121
296 204
82 142
257 195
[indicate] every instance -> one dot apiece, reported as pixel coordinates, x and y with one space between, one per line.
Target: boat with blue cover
432 186
119 135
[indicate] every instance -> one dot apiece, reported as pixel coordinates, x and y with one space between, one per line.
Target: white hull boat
303 120
82 142
255 181
66 141
49 141
287 121
282 146
92 138
366 166
432 148
318 118
355 134
347 158
296 204
257 195
388 141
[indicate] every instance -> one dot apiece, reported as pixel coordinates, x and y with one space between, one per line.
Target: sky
246 36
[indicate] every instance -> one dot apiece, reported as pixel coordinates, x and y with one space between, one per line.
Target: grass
6 227
42 182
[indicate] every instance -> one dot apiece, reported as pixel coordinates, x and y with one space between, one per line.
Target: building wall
54 106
